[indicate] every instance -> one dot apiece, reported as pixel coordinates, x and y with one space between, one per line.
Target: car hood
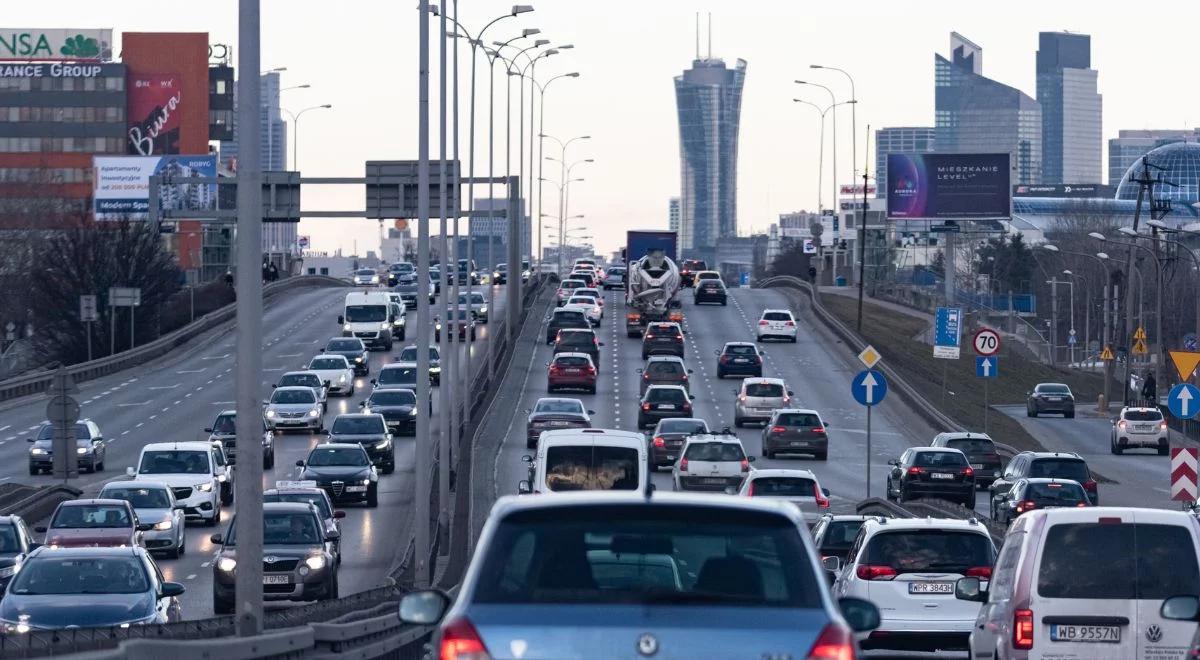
89 537
331 375
77 610
360 438
177 480
291 407
393 410
349 355
320 472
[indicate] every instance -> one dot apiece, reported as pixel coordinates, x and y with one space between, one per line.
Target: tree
791 260
1009 261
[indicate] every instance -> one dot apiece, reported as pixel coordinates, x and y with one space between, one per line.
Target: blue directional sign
1190 341
1184 401
987 367
869 387
947 332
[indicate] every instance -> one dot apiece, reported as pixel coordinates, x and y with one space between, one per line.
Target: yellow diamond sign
870 357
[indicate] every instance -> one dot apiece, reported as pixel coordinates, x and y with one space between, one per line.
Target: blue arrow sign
1184 401
987 367
869 387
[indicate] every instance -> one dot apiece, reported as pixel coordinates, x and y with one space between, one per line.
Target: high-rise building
673 215
974 114
899 140
1071 108
708 97
1130 145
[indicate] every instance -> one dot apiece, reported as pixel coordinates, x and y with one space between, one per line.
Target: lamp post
541 134
1106 329
1158 338
296 129
853 116
1073 336
833 105
562 158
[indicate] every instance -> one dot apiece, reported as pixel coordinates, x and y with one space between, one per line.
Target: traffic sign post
947 330
869 387
62 411
1185 363
986 342
88 314
1183 474
1184 401
987 368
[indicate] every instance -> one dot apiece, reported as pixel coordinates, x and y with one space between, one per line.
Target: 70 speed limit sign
986 341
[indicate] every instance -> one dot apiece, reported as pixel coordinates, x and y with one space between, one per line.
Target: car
371 316
307 491
834 533
1093 582
664 370
666 441
408 294
688 269
398 407
365 277
88 442
758 399
354 350
344 471
225 473
593 311
435 279
102 523
712 462
306 379
460 324
710 291
587 276
1136 428
931 472
69 588
587 459
740 358
467 272
571 371
409 354
224 432
614 278
908 568
800 487
15 545
400 272
334 370
769 603
565 288
553 413
590 292
477 303
1050 398
291 408
579 340
662 338
776 324
1040 493
369 430
561 319
500 274
795 431
297 563
154 505
980 450
663 402
192 472
398 317
396 376
1053 464
706 276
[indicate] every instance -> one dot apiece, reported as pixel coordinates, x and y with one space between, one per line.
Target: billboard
122 185
153 113
33 44
948 186
1084 190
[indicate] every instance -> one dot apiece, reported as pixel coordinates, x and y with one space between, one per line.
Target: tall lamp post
853 116
562 157
1106 329
296 129
541 135
833 105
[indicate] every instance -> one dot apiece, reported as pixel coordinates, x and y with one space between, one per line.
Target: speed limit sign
986 341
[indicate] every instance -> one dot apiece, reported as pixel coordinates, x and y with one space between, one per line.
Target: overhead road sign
987 367
1183 474
1185 363
869 387
946 333
986 341
869 357
1184 401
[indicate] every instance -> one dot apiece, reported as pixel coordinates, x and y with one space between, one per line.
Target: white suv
908 568
713 462
777 324
1140 427
192 470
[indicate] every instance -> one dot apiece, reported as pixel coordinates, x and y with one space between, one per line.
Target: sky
361 57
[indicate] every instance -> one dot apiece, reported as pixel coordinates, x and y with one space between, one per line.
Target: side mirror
341 320
892 461
216 539
362 404
423 608
717 353
591 412
861 615
791 393
179 507
523 487
209 430
30 440
730 490
639 371
326 383
1181 608
320 350
130 472
372 381
98 441
691 371
266 403
300 463
601 343
825 492
971 589
333 535
339 514
526 458
40 529
831 564
170 590
751 458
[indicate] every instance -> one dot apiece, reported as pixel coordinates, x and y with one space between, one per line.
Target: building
1177 166
791 227
708 98
974 114
1071 108
899 140
673 215
490 234
1130 145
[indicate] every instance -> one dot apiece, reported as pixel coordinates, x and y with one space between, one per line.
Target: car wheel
1118 449
592 389
768 455
331 593
1032 413
373 496
1163 450
222 606
403 331
98 467
793 340
720 374
390 467
887 492
822 456
177 551
737 421
724 303
1069 415
901 496
968 500
269 461
212 522
33 472
227 497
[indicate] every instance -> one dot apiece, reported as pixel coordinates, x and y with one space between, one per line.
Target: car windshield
392 398
1060 468
332 456
91 515
741 350
695 264
665 330
665 395
1053 388
764 389
8 539
395 375
347 345
285 529
689 426
316 499
225 424
293 396
49 575
783 487
777 316
839 535
559 406
139 498
407 288
371 424
174 462
364 271
798 419
928 550
328 363
572 361
664 369
366 313
714 451
570 284
1143 415
47 432
972 445
1139 561
587 293
300 380
938 459
591 468
1056 494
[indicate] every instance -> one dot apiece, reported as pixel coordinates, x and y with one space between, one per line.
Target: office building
1130 145
490 234
975 114
899 140
673 215
1071 109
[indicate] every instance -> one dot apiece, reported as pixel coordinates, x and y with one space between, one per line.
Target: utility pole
862 244
446 385
423 450
1053 320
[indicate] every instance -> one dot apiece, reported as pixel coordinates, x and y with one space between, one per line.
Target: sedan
663 402
460 324
408 354
477 303
334 370
932 472
93 523
15 545
369 430
1041 493
593 311
88 443
365 277
398 407
710 291
294 408
154 504
551 414
665 370
571 371
344 471
666 442
1050 398
740 358
799 487
354 350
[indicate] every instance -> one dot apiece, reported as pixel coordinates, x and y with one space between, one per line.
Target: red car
571 371
93 523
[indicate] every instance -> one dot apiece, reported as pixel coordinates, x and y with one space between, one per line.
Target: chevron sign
1183 474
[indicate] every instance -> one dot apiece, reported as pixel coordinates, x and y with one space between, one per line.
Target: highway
176 397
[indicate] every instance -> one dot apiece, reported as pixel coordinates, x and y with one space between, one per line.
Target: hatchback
834 534
88 444
758 399
662 339
980 451
663 402
593 311
577 340
932 472
664 370
1050 398
565 288
1054 464
776 324
561 319
666 442
369 430
710 291
740 358
800 487
796 431
93 523
552 414
1030 494
153 505
354 350
713 462
571 371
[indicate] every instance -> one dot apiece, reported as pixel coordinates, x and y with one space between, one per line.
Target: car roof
1050 454
592 437
741 343
188 445
574 499
1055 384
665 323
762 381
554 399
664 358
294 388
683 419
1093 514
777 310
414 347
568 308
1139 409
356 415
93 501
962 435
133 483
578 331
303 490
1050 480
845 517
288 507
334 356
92 551
574 354
795 473
399 365
337 445
665 386
800 411
570 279
714 437
935 450
333 339
878 523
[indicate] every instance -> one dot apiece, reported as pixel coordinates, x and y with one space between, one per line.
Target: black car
344 471
663 402
15 545
398 407
980 451
370 430
224 432
664 370
354 350
408 294
562 319
795 431
668 437
932 472
88 445
1050 398
834 534
662 339
1049 464
740 358
303 491
688 270
710 291
577 340
1042 493
552 414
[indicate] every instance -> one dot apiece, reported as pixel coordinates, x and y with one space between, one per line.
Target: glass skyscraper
1130 145
974 114
708 97
899 140
1071 108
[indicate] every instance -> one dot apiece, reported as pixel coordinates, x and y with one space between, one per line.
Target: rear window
939 459
711 284
682 426
572 361
664 394
840 535
591 468
1144 416
665 329
714 451
798 419
783 487
741 350
577 339
972 446
1053 389
568 315
397 375
570 284
664 369
777 316
1118 561
587 294
764 389
929 550
1064 494
1060 468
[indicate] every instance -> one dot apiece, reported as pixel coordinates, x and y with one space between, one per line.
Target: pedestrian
272 272
265 272
229 276
1150 390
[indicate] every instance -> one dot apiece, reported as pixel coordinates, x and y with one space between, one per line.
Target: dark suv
980 451
578 340
565 318
1049 464
663 402
662 339
932 472
710 291
740 358
664 370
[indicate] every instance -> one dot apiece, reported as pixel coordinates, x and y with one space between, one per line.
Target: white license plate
977 466
930 587
1102 634
714 480
276 579
741 361
570 371
941 475
1054 398
356 489
666 406
671 457
798 444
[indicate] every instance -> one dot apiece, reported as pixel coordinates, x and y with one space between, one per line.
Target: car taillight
819 430
750 489
874 572
790 324
591 371
981 572
460 641
596 341
645 376
742 397
1121 424
645 406
1023 629
679 338
778 429
648 336
554 369
822 501
916 470
763 322
1163 426
684 377
836 642
659 441
1090 485
967 472
683 465
745 465
724 359
1027 505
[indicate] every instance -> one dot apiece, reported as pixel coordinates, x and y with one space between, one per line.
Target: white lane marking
155 416
163 387
189 371
124 432
130 405
32 428
5 427
178 401
206 564
223 403
215 357
290 355
191 577
165 409
140 425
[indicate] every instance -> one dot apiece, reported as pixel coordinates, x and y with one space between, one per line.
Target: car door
995 614
97 441
1002 485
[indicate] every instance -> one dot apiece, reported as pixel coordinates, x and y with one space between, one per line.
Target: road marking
32 428
178 401
124 432
155 416
215 357
130 405
5 427
191 577
206 564
140 425
163 387
189 371
223 403
289 355
165 409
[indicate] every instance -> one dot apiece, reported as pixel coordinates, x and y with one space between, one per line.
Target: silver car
758 399
307 379
154 503
294 408
477 304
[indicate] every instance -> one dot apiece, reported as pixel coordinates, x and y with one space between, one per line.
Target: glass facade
1130 145
1071 109
899 140
1180 163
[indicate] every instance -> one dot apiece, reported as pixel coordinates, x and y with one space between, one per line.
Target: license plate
799 444
356 489
1103 634
740 361
559 423
930 587
1054 398
666 406
671 457
941 475
714 480
570 371
977 466
276 579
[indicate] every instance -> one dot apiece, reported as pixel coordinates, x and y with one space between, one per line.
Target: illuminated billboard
948 186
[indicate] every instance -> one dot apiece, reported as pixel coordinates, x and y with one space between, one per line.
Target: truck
652 280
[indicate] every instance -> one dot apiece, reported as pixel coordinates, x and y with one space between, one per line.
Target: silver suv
758 399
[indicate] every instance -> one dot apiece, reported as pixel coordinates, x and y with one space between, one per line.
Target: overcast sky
361 56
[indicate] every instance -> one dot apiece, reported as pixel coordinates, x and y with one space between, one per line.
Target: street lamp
1158 300
833 104
542 137
853 115
296 129
564 175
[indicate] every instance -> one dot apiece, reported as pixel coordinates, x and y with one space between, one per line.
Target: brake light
835 643
778 429
742 397
745 465
822 501
685 377
1121 423
645 406
1027 505
1163 426
724 359
591 371
596 341
981 572
648 336
645 376
1107 520
750 489
967 472
790 324
874 572
460 641
683 465
916 470
763 322
1090 485
1023 629
679 338
819 430
659 441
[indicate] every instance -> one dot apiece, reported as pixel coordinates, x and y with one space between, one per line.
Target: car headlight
374 279
315 562
346 327
314 412
483 310
37 451
164 525
367 481
384 325
270 413
81 450
413 412
8 571
358 359
437 326
383 444
226 564
435 370
205 487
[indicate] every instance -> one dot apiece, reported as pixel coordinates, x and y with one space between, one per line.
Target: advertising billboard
153 112
1083 190
122 185
948 186
35 44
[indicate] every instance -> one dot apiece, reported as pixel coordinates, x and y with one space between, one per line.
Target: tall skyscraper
975 114
673 214
1130 145
1071 108
899 140
708 97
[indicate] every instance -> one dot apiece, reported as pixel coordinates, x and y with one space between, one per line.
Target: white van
1088 582
368 316
588 459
